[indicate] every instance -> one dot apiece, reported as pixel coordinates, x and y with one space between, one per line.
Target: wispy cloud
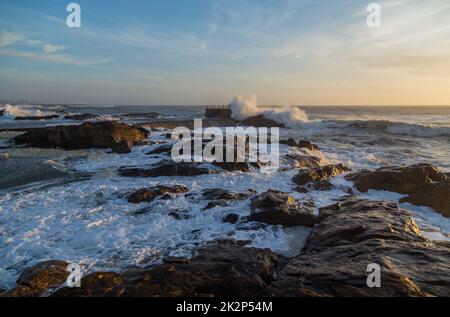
49 48
10 38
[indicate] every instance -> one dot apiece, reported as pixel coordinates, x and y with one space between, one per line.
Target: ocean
69 205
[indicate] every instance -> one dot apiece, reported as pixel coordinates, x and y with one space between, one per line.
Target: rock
424 184
36 118
261 121
147 115
319 174
123 147
355 233
87 135
2 111
231 218
221 194
39 279
215 203
82 117
316 185
278 208
150 194
236 166
98 284
303 161
167 168
300 144
224 269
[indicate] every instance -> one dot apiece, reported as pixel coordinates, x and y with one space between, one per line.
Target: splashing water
291 116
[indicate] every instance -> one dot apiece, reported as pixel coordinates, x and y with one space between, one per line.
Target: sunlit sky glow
302 52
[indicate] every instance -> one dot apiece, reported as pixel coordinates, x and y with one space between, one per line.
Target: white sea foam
13 111
290 116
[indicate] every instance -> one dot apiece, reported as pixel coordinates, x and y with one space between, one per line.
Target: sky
189 52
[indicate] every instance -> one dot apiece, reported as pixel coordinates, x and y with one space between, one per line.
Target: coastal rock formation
278 208
82 117
87 135
424 184
37 118
167 168
349 237
301 144
318 178
302 161
98 284
355 233
150 194
261 121
39 279
221 269
171 168
123 147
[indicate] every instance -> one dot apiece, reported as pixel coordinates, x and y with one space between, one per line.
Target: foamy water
85 217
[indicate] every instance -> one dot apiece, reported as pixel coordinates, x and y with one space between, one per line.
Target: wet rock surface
318 178
223 269
87 135
300 144
39 279
278 208
167 168
150 194
82 117
355 233
261 121
424 184
36 118
347 237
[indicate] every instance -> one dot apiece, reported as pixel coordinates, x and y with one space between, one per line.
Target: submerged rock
87 135
278 208
39 279
37 118
355 233
82 117
123 147
424 184
167 168
150 194
221 194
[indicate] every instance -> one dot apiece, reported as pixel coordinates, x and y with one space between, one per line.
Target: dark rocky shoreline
346 237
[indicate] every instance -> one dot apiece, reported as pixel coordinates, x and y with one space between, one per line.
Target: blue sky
304 52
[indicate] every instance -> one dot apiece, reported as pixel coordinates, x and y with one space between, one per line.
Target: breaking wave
11 111
290 116
400 128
